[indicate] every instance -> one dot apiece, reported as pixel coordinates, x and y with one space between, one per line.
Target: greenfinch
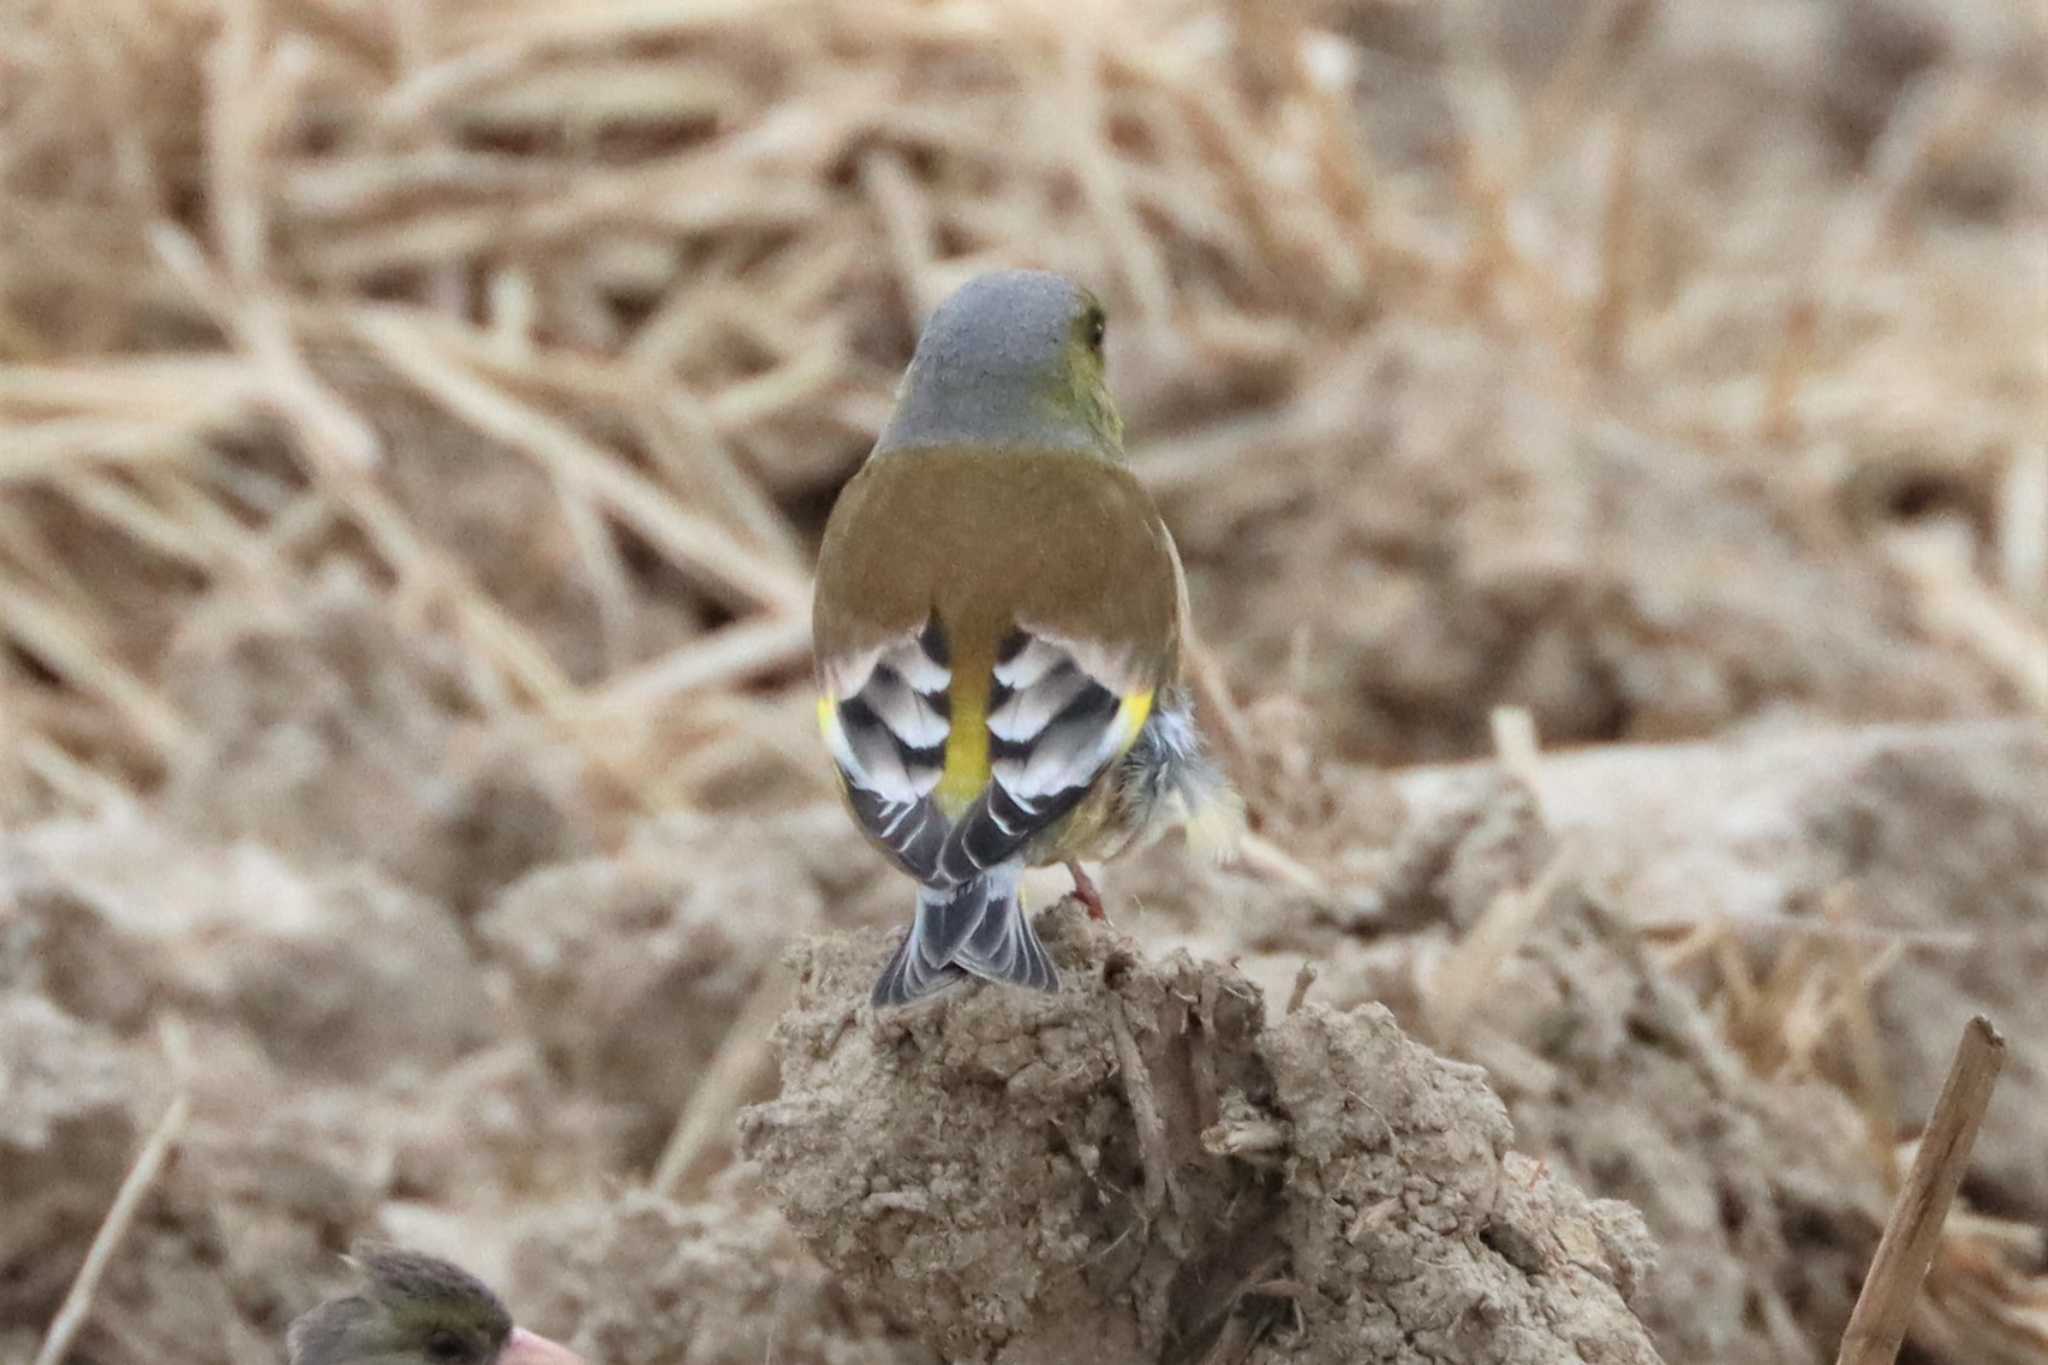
998 621
416 1310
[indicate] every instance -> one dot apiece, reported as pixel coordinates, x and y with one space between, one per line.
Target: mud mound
1498 941
985 1175
1140 1167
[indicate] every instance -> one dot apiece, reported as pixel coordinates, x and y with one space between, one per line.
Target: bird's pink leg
1085 892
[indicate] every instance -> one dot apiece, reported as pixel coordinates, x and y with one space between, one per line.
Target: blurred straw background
565 321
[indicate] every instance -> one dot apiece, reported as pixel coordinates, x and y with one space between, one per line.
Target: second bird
998 622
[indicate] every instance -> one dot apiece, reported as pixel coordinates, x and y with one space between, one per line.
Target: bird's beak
529 1348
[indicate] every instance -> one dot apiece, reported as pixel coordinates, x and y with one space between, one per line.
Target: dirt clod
1613 1073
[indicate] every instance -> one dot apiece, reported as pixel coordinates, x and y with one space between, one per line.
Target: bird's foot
1085 892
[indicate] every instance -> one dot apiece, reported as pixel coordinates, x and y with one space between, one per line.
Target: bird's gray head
413 1310
1013 360
416 1310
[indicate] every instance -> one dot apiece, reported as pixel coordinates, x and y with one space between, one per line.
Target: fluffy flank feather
1213 815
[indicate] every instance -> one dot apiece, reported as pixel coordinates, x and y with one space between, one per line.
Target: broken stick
1911 1234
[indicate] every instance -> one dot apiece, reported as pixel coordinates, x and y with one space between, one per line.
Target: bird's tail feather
977 928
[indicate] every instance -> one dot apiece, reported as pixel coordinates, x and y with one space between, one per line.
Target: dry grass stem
731 655
1912 1234
706 1121
1261 855
734 571
1959 605
1516 746
1155 1156
2023 527
135 1187
1463 979
64 644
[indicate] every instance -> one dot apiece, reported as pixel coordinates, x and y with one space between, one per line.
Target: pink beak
528 1348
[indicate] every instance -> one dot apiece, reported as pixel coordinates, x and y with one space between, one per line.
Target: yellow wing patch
1136 710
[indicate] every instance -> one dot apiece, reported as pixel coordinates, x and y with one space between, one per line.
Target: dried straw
135 1187
670 259
1912 1235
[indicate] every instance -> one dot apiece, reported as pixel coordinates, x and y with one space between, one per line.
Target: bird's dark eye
1095 327
445 1345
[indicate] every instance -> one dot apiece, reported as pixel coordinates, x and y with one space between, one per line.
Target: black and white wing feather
1058 716
886 721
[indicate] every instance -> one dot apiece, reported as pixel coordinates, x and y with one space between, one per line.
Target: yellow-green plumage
999 608
938 532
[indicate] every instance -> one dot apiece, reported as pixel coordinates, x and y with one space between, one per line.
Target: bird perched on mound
998 624
416 1310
